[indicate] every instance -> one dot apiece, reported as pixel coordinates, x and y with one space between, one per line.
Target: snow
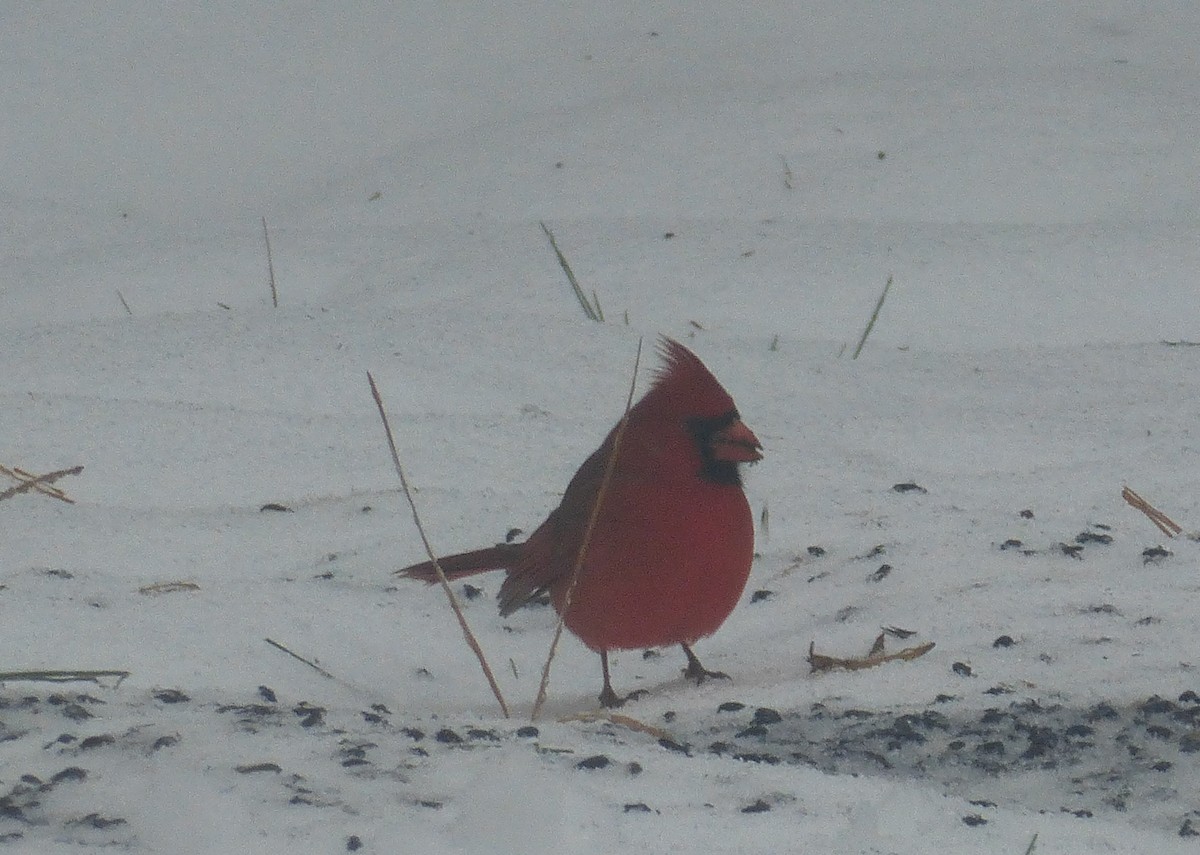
1026 174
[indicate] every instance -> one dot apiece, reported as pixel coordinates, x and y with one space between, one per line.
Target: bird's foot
696 672
611 700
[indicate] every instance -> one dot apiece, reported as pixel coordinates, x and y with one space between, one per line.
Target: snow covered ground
742 178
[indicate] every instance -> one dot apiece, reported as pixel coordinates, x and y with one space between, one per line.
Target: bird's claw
611 700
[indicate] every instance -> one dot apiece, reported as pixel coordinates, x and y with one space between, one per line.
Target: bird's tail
502 556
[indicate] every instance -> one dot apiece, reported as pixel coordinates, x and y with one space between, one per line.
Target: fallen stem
1165 524
297 656
61 676
821 662
441 575
874 317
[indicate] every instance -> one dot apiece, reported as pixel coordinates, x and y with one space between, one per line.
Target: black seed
634 768
962 669
669 716
413 733
720 748
760 595
757 757
429 803
1187 829
596 761
1004 641
97 741
1102 711
266 694
637 807
880 574
1026 514
165 742
766 715
94 820
758 807
731 706
254 768
527 732
353 843
479 733
448 736
909 487
998 690
1011 543
973 820
75 712
171 696
1041 741
1156 706
471 592
816 551
71 773
672 745
1189 697
1093 537
275 506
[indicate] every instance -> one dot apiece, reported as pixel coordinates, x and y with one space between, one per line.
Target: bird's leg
697 672
608 698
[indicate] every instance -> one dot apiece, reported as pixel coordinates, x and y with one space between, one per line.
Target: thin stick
307 662
1032 844
61 676
587 536
1165 524
441 575
38 482
121 297
591 311
874 317
270 265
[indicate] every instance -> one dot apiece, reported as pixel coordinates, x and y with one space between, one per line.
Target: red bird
671 548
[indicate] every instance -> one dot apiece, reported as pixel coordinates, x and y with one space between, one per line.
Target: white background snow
1026 173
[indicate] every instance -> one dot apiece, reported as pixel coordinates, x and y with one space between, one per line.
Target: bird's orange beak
736 444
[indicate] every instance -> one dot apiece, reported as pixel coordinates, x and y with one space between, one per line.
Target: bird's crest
684 384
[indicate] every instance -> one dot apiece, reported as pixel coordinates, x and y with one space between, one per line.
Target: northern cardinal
671 548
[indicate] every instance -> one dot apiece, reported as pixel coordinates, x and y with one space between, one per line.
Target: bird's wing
552 550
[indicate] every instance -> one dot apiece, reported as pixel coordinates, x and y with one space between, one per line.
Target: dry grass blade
592 311
472 642
1165 524
874 317
297 656
587 536
40 483
821 662
270 265
62 676
619 719
168 588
